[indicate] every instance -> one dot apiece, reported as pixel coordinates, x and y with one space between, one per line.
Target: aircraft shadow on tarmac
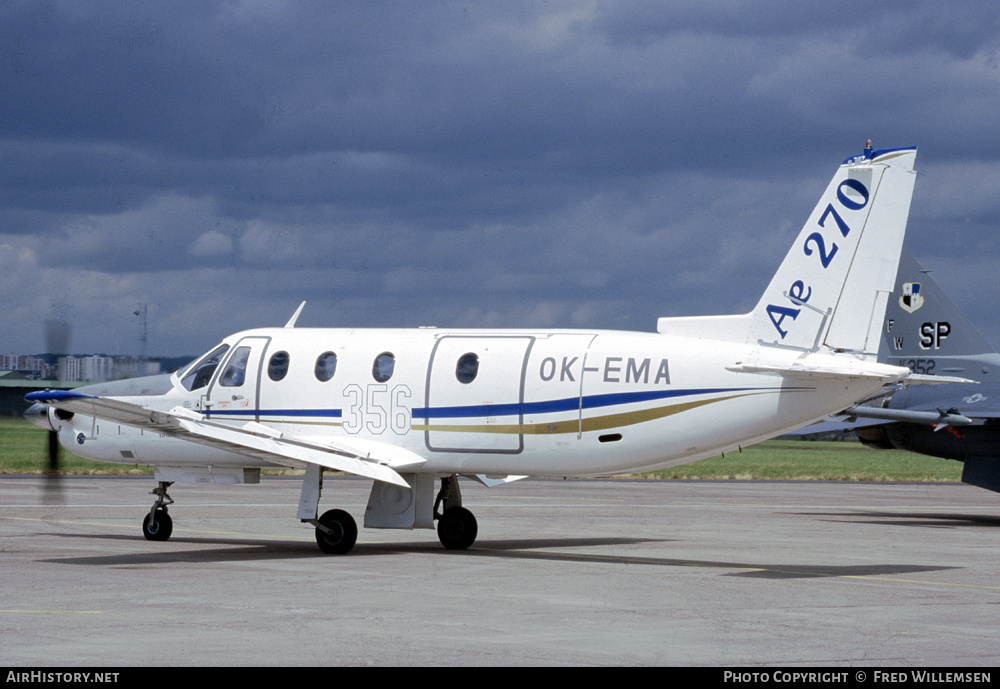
237 549
917 519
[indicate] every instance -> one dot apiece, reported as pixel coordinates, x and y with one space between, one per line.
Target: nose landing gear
157 526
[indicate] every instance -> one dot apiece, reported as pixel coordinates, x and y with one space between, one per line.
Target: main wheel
457 528
342 534
159 527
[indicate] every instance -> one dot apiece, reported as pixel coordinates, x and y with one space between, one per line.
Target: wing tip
49 396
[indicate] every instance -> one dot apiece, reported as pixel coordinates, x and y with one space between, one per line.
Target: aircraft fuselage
474 402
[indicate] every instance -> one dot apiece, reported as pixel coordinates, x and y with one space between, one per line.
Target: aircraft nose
38 414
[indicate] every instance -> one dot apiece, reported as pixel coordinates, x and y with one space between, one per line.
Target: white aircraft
406 407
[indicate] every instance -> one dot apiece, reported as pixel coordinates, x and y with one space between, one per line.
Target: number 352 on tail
415 409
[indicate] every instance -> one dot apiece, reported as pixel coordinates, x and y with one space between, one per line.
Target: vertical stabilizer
831 290
926 332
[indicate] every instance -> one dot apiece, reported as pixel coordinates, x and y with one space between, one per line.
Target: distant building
20 374
32 367
96 368
70 368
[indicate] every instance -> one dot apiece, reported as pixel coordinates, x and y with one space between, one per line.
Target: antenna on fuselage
295 316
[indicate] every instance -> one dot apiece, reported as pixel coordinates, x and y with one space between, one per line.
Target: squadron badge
911 299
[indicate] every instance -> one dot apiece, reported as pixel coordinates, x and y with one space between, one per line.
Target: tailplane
831 290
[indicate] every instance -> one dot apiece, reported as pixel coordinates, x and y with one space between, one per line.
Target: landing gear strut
336 530
157 526
457 528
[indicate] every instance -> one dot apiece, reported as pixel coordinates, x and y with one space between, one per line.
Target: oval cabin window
326 366
383 367
467 368
277 367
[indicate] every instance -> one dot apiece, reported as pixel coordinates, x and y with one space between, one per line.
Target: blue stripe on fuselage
567 404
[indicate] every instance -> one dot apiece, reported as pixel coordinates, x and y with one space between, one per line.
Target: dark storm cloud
498 164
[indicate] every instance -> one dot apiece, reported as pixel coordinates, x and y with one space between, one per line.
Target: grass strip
23 450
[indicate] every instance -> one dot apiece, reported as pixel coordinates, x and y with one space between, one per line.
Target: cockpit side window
199 375
236 369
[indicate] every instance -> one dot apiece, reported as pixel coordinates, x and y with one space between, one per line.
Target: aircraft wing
371 459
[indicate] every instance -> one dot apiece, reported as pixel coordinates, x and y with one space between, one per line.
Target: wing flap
287 452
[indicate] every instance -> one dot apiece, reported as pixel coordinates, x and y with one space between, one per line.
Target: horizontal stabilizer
927 379
827 367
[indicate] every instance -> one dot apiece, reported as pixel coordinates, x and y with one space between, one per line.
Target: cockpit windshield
198 375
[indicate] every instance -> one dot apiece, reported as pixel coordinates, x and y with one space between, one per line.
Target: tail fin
832 287
926 332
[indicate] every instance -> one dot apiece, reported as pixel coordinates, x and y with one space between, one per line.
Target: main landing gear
337 532
157 526
457 528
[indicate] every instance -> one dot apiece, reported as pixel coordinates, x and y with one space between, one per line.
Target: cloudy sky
480 164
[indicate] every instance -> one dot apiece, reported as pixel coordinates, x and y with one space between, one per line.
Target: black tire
159 528
457 528
343 532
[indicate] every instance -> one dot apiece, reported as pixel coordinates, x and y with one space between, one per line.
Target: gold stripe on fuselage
597 423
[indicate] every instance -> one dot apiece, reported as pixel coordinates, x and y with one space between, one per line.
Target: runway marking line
52 612
133 526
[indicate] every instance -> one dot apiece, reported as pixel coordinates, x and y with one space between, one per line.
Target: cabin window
199 374
467 368
236 370
326 366
383 367
277 367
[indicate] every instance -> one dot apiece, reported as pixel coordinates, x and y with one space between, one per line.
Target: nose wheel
157 526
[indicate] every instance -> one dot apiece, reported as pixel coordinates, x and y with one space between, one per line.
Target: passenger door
475 387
